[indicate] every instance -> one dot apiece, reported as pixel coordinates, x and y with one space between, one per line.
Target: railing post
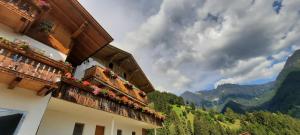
154 131
112 126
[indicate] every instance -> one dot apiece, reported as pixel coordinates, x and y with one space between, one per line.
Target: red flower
86 83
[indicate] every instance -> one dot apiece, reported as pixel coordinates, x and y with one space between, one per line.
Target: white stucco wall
60 118
24 100
61 123
9 34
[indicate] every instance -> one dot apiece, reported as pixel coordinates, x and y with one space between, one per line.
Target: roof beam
82 27
14 82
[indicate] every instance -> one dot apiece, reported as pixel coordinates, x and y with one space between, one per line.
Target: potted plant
46 26
128 85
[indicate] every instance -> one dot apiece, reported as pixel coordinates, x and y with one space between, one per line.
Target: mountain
287 91
184 119
245 94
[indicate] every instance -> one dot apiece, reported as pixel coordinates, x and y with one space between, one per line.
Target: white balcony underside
61 116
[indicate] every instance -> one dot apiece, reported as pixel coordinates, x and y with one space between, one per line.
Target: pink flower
96 90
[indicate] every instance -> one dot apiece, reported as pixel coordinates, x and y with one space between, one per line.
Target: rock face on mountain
246 94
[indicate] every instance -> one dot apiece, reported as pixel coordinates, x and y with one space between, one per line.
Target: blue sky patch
277 5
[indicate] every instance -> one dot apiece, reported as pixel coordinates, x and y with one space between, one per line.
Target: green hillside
188 120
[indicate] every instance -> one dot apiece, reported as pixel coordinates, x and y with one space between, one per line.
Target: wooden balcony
74 91
21 66
20 14
98 75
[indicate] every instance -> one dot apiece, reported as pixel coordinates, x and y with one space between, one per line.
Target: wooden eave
126 61
91 39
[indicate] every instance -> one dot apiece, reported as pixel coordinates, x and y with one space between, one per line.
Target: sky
194 45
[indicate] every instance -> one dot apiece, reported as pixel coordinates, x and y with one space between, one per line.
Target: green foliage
163 100
265 123
183 120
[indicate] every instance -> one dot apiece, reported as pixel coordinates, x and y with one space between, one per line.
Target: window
124 75
133 133
78 129
111 65
10 121
119 132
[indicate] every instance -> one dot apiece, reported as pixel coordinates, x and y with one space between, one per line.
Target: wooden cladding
96 75
82 97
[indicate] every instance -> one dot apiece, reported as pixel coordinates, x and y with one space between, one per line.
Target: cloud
196 44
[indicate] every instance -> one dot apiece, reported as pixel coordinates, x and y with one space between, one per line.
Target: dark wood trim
14 82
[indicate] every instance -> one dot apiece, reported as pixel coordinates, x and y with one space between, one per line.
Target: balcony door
99 130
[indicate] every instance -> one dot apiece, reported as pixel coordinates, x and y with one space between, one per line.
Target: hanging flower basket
128 85
110 73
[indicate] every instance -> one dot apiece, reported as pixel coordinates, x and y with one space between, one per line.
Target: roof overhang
89 36
126 61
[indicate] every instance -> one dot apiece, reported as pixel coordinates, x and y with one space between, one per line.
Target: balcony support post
112 126
43 91
14 83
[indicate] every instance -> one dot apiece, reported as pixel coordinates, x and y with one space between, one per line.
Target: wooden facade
74 92
125 66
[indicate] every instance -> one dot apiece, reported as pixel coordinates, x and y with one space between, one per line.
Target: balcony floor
7 76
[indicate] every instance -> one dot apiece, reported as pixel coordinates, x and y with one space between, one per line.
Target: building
59 75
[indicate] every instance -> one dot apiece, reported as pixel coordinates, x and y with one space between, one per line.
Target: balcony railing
75 92
25 8
35 70
103 76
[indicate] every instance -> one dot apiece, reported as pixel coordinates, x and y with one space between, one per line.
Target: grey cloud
193 44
